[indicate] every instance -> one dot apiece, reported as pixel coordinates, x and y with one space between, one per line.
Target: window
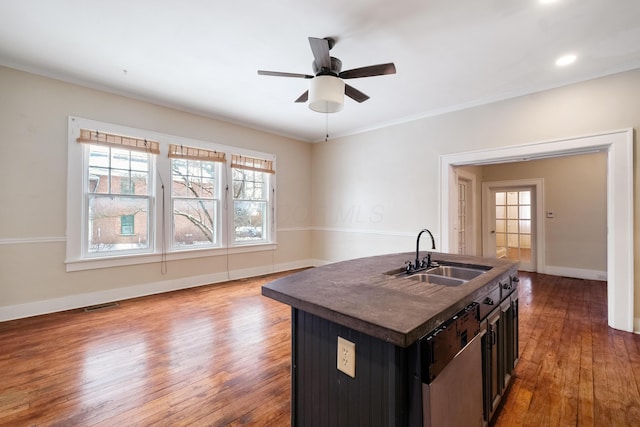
112 205
195 196
133 192
126 225
250 198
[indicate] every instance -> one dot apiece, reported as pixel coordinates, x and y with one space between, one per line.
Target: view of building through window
118 199
133 200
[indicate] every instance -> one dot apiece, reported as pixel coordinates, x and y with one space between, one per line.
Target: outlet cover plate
347 357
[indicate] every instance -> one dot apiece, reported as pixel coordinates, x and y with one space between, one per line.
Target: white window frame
86 196
270 200
218 200
76 260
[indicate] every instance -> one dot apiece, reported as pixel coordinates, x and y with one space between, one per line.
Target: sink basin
437 279
464 273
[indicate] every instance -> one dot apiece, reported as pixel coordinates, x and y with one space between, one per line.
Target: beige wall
401 172
354 196
33 164
575 189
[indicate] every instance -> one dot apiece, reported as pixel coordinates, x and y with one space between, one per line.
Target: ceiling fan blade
281 74
370 71
320 49
304 97
355 94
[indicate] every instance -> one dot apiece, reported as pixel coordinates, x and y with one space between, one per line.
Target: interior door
510 227
466 210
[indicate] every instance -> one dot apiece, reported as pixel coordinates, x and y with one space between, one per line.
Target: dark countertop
359 295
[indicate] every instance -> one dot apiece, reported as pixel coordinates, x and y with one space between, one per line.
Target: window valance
185 152
252 163
126 142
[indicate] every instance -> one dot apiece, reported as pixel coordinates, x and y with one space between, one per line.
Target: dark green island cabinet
387 319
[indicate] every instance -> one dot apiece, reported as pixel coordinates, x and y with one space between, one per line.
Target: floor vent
101 306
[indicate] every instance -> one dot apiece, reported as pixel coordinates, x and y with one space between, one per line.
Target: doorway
620 248
510 222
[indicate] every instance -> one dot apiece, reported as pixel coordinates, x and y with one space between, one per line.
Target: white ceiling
202 55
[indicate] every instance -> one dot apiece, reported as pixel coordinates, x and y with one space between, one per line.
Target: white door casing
620 243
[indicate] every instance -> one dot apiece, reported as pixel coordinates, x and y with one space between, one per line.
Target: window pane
105 227
525 226
501 239
249 220
139 161
194 222
179 186
195 167
112 172
525 197
512 240
512 212
525 212
120 182
248 185
500 212
179 167
500 198
120 159
193 178
208 169
501 226
512 198
98 180
512 226
208 187
98 156
139 183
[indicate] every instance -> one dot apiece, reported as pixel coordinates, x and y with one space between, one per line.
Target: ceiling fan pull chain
326 127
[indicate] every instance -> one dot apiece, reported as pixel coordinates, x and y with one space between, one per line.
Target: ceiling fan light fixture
326 94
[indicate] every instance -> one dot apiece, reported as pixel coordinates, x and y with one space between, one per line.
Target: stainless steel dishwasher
452 372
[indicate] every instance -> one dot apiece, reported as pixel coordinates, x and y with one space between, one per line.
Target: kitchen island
372 303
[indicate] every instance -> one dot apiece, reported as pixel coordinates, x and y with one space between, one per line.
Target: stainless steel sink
464 273
447 275
437 279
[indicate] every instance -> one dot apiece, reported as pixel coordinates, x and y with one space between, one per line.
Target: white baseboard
578 273
636 325
71 302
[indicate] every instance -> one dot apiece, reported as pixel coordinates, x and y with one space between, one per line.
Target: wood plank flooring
574 370
220 355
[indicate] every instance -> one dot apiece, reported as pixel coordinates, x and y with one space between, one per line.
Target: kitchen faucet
426 262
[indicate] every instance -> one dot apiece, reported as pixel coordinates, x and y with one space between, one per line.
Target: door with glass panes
511 225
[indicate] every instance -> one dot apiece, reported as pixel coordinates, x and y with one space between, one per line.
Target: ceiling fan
326 90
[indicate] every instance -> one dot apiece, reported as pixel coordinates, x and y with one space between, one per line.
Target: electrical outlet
347 357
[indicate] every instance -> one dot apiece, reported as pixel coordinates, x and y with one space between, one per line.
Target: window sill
120 261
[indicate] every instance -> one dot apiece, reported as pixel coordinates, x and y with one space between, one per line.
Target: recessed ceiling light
547 1
566 60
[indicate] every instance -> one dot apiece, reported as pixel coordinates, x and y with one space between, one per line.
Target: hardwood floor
220 355
215 355
573 369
